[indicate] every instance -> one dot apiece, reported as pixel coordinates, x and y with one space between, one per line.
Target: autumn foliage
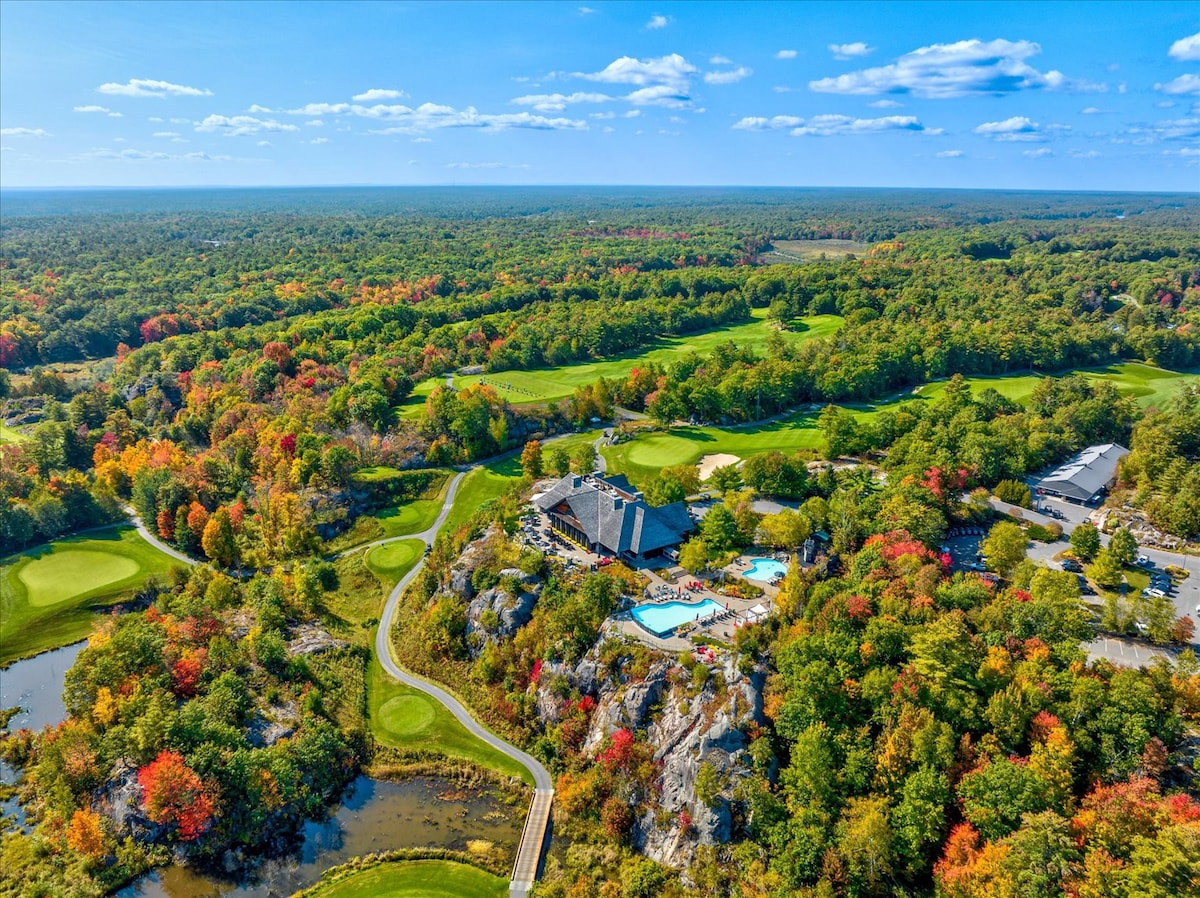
172 793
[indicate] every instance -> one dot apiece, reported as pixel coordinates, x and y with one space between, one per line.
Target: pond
376 815
35 685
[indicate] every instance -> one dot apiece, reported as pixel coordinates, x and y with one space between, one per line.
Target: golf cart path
153 539
534 834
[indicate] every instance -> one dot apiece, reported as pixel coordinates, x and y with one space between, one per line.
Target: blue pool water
765 569
660 619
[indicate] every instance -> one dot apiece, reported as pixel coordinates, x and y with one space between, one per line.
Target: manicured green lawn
417 879
1147 384
546 384
405 718
392 561
414 516
48 593
9 435
644 456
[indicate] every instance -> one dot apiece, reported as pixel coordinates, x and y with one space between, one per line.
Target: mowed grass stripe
48 593
405 718
643 457
548 384
415 879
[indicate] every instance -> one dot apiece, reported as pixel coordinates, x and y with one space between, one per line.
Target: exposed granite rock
310 639
512 612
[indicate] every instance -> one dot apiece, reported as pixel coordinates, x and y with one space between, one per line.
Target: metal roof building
1085 475
608 514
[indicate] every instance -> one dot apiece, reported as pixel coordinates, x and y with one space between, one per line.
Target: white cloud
1183 85
941 71
949 154
776 123
319 140
116 115
672 69
885 104
1038 153
145 87
657 22
1091 110
180 121
132 155
830 125
378 93
1084 154
850 51
586 10
430 116
730 77
241 125
1016 128
314 123
24 132
484 165
167 134
665 95
92 109
786 54
255 109
719 60
559 102
263 143
422 140
632 113
1186 49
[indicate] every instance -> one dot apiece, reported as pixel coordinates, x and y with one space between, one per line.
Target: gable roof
610 512
1086 473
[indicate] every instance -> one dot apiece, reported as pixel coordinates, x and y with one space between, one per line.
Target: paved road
153 539
535 830
1185 595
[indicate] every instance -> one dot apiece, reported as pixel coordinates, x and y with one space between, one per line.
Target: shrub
1014 493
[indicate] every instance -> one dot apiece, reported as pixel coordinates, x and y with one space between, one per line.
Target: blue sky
994 95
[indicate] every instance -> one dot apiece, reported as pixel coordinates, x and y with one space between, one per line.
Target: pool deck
665 586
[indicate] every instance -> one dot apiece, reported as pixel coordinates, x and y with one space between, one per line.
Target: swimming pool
662 619
765 569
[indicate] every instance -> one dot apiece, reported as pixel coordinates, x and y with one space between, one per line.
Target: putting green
406 715
416 879
392 561
48 593
61 576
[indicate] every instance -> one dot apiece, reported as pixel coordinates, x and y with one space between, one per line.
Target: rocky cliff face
691 730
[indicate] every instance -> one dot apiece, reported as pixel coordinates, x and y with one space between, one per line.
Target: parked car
1144 561
1151 591
1070 564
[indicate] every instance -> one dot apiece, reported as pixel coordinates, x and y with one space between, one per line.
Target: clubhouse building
1086 475
608 516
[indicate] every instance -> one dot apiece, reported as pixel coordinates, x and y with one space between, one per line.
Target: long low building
1086 475
607 515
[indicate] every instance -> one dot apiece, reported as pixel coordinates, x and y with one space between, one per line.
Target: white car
1156 593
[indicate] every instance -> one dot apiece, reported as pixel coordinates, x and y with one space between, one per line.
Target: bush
1046 533
1014 493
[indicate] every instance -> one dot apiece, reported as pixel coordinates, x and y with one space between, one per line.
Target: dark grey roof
1086 473
610 512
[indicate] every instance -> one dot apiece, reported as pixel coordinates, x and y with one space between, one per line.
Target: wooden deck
533 838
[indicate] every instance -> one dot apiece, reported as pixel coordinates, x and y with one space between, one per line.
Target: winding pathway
144 532
532 838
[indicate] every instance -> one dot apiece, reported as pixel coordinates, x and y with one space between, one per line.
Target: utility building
1086 475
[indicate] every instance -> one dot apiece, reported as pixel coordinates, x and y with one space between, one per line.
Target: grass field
644 456
548 384
391 562
808 250
489 482
1147 384
48 594
405 718
403 519
10 435
416 879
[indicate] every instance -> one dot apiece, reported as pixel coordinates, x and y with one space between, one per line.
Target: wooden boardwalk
533 838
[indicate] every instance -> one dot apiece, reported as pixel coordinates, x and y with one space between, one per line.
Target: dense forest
239 369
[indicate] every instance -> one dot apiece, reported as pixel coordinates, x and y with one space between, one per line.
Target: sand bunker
710 463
